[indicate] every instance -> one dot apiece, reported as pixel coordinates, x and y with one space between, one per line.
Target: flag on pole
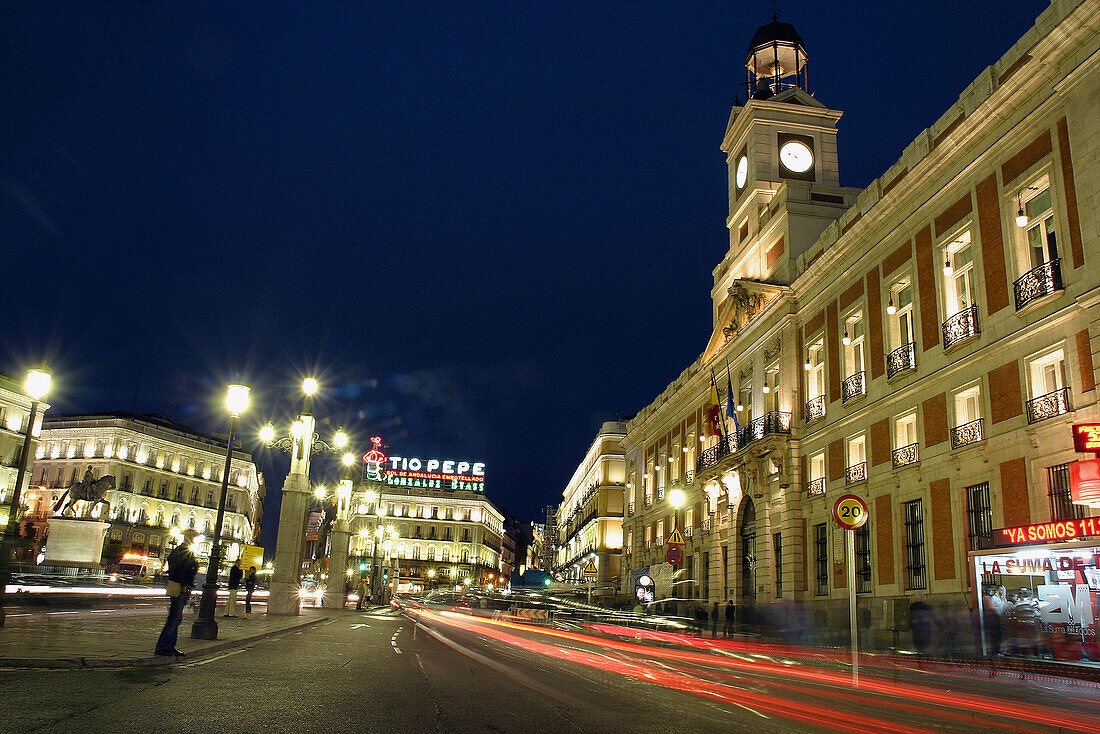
714 409
731 406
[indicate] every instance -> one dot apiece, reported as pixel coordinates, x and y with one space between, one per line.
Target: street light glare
319 493
676 498
297 429
38 383
348 459
236 399
309 386
267 433
341 440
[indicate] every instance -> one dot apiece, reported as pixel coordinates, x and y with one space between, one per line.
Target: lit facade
589 518
443 537
166 475
15 410
910 343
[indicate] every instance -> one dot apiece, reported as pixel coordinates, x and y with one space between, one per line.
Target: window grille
914 545
1061 506
821 554
979 513
863 559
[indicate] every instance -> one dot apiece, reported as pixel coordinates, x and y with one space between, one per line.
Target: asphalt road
451 673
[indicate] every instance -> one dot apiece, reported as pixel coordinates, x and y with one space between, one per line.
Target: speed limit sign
850 512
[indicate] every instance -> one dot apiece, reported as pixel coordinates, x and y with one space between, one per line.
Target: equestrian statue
89 489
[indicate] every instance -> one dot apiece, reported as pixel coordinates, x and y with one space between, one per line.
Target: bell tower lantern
776 60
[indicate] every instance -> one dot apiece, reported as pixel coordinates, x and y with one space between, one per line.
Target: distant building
15 409
166 475
589 518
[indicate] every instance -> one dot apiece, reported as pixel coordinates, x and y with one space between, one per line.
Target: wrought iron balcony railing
629 549
647 544
814 408
659 540
856 473
689 477
631 508
710 457
815 487
961 327
767 424
1038 282
689 530
967 434
905 456
902 359
1048 406
706 524
648 500
660 493
853 387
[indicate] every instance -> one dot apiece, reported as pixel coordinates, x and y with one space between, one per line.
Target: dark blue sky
486 226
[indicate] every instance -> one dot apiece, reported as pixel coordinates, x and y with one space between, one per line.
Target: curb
150 661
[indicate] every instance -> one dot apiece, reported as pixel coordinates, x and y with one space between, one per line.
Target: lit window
901 323
1042 241
959 275
815 377
1047 374
853 343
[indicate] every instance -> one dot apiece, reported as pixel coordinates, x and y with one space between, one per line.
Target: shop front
1038 592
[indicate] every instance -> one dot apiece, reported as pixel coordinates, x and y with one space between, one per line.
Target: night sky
485 227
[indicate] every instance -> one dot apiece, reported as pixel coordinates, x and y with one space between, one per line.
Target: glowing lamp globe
340 440
309 386
236 399
267 433
37 384
676 498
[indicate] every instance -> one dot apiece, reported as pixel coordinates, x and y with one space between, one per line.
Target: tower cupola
776 60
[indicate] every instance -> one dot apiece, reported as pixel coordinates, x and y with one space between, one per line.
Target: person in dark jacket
249 587
715 614
731 612
182 567
922 620
235 574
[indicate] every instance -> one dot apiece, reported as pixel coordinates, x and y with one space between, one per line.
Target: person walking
731 612
922 621
249 587
715 613
182 567
235 574
361 590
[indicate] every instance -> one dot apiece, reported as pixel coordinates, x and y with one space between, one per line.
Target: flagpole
725 425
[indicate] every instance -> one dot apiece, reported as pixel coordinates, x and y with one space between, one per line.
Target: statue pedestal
75 542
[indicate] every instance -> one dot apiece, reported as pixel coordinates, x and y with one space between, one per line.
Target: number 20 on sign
850 512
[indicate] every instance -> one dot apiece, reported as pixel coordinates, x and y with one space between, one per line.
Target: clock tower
784 180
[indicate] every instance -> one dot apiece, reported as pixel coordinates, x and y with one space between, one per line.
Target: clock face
796 156
742 171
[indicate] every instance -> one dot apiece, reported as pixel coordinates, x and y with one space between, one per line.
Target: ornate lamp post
205 626
36 386
336 590
301 444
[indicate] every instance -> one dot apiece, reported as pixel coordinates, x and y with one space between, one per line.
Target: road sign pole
589 592
851 542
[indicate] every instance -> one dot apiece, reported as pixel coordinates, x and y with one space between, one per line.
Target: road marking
357 626
204 661
393 640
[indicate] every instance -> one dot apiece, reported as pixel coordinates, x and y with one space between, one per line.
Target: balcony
706 524
816 487
966 434
1048 406
631 508
902 359
659 540
689 531
856 473
905 456
710 457
647 544
1038 282
689 477
629 550
814 408
648 500
853 387
960 327
766 425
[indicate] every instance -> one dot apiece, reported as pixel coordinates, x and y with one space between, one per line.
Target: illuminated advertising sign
446 474
1048 532
1086 437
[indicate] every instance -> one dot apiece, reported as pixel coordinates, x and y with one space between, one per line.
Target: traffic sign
674 554
676 538
850 512
590 570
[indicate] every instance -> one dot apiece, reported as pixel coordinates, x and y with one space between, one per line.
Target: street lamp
205 626
36 386
676 498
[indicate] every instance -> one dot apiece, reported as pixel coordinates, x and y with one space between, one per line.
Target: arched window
402 550
416 552
446 554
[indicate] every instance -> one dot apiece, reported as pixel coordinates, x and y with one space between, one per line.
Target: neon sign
1048 532
375 461
1086 437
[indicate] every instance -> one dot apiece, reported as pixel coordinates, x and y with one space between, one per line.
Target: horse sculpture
88 489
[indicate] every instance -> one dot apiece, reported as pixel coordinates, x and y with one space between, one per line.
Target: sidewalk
115 641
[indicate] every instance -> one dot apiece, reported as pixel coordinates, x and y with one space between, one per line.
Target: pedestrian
731 613
182 567
922 619
249 587
235 575
715 613
362 592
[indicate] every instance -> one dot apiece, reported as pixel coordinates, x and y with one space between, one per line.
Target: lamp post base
205 626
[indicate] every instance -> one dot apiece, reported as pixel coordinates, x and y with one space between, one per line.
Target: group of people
718 615
183 566
1012 622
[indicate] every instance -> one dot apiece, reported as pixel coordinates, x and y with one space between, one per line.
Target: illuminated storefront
1037 598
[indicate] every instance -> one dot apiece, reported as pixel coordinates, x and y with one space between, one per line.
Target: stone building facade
589 518
166 476
924 343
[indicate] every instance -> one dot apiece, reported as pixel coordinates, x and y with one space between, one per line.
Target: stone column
335 591
285 580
